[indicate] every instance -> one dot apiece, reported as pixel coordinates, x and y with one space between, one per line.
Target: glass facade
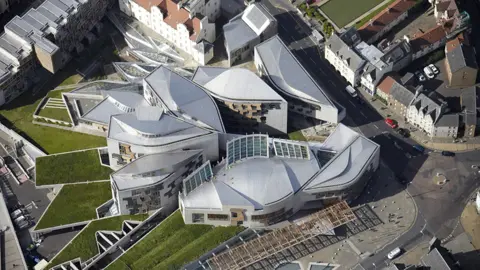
201 175
291 149
247 147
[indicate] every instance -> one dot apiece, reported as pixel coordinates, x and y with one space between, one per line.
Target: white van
394 253
351 91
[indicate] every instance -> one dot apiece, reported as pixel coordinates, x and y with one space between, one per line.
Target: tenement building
189 25
46 36
247 104
276 63
264 180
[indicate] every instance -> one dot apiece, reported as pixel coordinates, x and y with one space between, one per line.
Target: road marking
375 126
332 83
353 104
312 60
323 72
363 114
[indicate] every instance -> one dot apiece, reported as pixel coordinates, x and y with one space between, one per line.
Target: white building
340 54
423 112
264 180
192 30
45 35
247 104
275 61
246 30
152 181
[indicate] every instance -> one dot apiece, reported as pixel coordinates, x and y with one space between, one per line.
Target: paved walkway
439 144
367 13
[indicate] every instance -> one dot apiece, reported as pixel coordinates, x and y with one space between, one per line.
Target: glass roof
247 147
198 177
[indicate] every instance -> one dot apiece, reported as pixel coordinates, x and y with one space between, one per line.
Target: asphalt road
438 208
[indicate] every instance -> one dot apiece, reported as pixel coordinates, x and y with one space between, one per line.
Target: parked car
429 72
448 154
391 123
403 132
394 253
420 76
419 148
434 69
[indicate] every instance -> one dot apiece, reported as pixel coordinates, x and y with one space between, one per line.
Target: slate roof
460 57
343 51
401 94
468 99
448 120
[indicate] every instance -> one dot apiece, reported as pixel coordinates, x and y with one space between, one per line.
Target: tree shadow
468 260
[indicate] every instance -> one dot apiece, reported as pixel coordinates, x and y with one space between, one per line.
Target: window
234 214
198 218
217 217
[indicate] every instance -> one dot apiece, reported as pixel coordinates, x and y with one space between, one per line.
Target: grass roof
173 244
70 168
75 203
84 245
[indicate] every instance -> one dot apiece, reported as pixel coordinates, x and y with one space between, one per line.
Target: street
438 206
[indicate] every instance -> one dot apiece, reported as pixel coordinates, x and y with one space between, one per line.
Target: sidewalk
439 144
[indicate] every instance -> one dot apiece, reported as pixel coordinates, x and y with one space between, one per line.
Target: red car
391 123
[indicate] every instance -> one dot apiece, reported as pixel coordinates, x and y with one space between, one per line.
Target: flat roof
288 74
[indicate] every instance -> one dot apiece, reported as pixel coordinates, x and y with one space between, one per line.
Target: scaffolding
321 222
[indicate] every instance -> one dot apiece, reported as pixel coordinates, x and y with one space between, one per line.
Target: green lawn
75 203
297 136
342 12
367 18
19 115
70 168
173 244
73 79
55 113
84 245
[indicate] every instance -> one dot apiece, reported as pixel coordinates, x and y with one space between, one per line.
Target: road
437 214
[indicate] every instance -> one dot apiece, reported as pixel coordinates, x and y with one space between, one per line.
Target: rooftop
343 50
260 171
157 166
384 18
184 98
247 26
401 94
386 84
234 84
460 57
288 74
421 40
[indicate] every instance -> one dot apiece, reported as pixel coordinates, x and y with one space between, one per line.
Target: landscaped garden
68 168
297 136
342 12
75 203
18 115
84 245
173 244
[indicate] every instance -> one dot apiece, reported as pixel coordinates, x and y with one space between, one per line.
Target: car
434 69
429 72
391 123
419 148
403 132
448 154
394 253
420 76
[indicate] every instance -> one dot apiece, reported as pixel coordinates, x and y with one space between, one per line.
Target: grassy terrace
84 244
18 115
173 244
70 168
55 113
342 12
75 203
367 18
